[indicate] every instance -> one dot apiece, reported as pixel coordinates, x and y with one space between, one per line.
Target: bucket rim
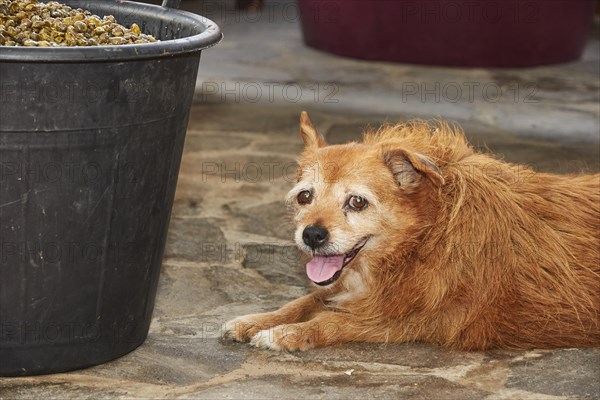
210 36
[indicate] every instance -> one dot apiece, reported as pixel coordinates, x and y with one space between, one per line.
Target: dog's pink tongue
322 268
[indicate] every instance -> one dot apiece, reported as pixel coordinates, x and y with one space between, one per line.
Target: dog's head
356 202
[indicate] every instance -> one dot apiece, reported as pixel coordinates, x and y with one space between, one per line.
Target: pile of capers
30 23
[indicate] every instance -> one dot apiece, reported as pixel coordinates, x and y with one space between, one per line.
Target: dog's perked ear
309 134
410 167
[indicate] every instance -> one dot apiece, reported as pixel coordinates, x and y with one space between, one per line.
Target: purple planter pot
473 33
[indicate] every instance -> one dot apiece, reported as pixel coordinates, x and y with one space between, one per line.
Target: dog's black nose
315 235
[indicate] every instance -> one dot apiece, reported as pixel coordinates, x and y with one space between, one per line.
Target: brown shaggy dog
415 236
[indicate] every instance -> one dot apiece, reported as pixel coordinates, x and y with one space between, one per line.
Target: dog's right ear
409 168
310 136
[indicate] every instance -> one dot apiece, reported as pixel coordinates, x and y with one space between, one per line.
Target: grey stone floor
229 250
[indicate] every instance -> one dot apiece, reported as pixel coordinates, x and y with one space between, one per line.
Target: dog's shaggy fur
463 249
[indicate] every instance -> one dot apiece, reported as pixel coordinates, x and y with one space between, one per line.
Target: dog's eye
304 197
357 203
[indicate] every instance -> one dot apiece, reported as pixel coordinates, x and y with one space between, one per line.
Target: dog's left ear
310 136
409 168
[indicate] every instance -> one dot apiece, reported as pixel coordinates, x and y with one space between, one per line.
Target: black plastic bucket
90 146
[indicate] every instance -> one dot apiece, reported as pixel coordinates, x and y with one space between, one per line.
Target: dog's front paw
285 338
242 329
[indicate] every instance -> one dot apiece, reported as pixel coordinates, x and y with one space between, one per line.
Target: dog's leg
326 328
243 328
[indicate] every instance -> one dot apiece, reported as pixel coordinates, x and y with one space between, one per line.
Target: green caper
26 23
117 31
59 26
135 29
45 35
94 21
38 24
117 40
80 26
